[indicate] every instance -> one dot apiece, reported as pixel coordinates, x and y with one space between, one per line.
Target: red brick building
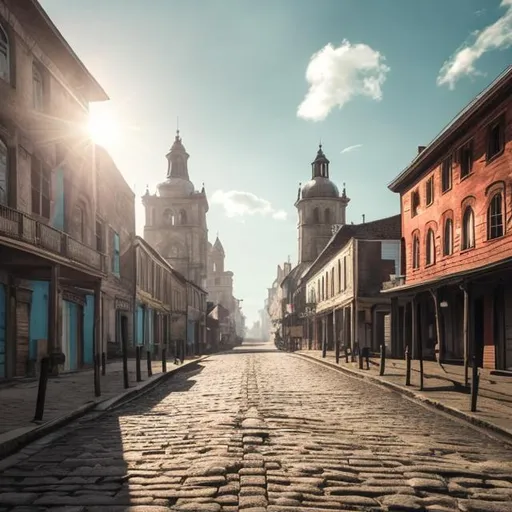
454 298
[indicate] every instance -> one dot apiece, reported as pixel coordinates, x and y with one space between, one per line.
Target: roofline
459 120
100 94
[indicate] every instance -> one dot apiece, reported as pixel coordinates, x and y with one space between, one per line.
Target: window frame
116 254
5 48
37 95
416 251
429 187
466 147
447 171
448 223
430 248
465 245
497 122
415 202
490 216
44 178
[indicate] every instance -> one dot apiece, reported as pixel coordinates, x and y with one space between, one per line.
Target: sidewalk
442 389
68 396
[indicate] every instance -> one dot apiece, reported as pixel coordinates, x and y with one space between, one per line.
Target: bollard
421 373
97 366
475 380
382 359
367 359
148 359
41 392
164 361
346 353
337 352
103 363
137 363
407 366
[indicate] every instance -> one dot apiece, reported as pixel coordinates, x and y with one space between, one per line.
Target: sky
257 85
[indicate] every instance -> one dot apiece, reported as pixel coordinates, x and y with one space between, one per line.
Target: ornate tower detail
176 218
321 209
220 281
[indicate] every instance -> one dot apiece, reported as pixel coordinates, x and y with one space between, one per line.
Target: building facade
344 285
51 270
220 281
161 301
176 218
455 198
115 236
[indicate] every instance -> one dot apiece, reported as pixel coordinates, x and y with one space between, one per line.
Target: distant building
176 218
220 281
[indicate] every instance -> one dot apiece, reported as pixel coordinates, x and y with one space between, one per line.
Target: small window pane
4 55
495 217
3 172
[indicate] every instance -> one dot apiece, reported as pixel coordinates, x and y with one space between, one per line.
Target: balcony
394 281
20 226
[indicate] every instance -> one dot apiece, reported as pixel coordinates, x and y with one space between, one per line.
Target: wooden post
475 379
124 347
440 344
138 350
41 392
324 336
336 338
395 320
53 316
407 366
382 359
97 337
353 316
416 341
465 334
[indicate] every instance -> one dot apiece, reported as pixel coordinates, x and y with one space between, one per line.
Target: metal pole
148 360
103 363
97 338
164 360
407 366
41 392
138 350
382 359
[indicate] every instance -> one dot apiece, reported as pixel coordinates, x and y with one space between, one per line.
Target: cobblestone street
261 430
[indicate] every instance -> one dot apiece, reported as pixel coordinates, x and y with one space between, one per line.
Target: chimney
421 149
363 218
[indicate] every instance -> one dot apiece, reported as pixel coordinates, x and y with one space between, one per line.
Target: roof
388 228
431 153
295 275
218 245
31 13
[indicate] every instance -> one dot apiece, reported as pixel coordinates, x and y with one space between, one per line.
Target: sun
103 128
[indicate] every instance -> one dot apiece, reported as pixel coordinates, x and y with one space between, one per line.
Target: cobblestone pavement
263 431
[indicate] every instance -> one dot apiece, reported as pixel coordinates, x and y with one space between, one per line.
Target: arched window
316 216
327 214
416 251
3 172
430 252
468 229
183 217
4 55
37 89
448 237
215 267
495 217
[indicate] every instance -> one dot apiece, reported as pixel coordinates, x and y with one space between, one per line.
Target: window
40 176
327 285
496 138
37 89
215 267
446 174
183 217
80 223
4 55
495 217
3 172
416 252
344 272
316 216
340 286
448 237
466 160
430 252
332 282
468 229
415 202
429 192
323 288
116 257
99 236
217 281
327 216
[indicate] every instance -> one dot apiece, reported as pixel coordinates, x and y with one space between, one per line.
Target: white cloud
337 75
239 204
351 148
497 36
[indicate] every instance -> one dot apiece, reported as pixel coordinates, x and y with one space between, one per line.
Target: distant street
263 430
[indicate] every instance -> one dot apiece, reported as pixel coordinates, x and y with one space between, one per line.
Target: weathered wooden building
454 299
343 285
161 300
51 269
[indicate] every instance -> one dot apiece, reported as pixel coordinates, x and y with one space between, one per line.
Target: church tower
176 218
220 281
321 210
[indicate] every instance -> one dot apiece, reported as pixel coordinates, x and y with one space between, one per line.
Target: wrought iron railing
20 226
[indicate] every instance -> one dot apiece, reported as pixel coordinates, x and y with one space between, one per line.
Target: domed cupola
319 185
178 182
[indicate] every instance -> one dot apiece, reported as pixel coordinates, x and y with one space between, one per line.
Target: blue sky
234 71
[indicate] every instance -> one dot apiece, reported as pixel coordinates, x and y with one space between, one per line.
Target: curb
26 435
409 393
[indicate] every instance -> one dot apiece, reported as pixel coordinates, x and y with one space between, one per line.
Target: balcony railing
20 226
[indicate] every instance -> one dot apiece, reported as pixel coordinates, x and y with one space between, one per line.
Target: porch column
53 345
324 335
414 328
395 327
97 337
336 337
353 334
465 333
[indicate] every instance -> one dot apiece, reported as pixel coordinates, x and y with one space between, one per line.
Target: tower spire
320 165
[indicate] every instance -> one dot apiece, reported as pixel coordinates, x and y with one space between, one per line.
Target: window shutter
12 57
